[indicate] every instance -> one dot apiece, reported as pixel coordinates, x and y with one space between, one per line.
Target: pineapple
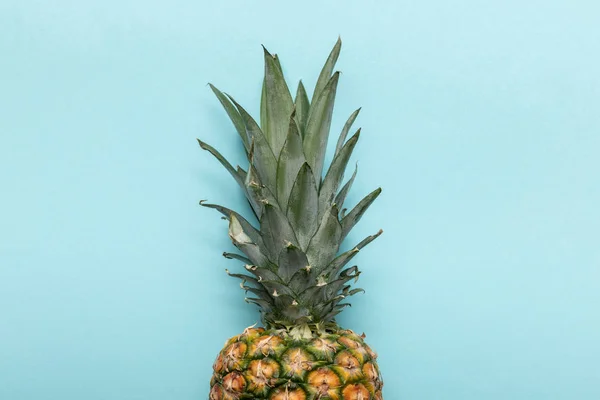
292 267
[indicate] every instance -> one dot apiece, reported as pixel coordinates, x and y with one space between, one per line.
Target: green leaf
259 292
345 131
276 230
241 172
264 274
346 292
313 295
302 107
277 61
263 304
258 193
291 260
357 212
341 196
326 306
233 256
303 206
252 187
276 104
247 227
289 163
234 115
300 315
263 106
246 278
325 243
282 302
302 278
336 310
338 263
317 127
368 240
264 159
242 239
277 285
346 275
335 174
236 175
353 292
327 70
244 236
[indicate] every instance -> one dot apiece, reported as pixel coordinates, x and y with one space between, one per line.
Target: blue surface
479 120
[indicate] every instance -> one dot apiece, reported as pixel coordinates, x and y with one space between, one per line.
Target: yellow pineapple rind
272 365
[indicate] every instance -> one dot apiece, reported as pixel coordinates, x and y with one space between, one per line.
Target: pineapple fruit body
273 365
293 269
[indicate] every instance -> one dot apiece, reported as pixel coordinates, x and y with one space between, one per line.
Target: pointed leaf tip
335 174
234 173
290 161
341 196
233 114
345 130
267 52
357 212
276 103
318 125
325 74
202 144
303 204
301 107
265 161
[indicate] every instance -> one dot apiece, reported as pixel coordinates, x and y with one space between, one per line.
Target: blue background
480 120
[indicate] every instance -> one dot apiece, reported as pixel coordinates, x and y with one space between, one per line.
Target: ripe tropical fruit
293 268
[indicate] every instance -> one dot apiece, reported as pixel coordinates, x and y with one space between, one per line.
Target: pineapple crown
293 269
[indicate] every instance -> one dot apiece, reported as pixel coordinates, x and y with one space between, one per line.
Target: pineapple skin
271 364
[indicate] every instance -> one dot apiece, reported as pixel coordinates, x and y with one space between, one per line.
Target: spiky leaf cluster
293 269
